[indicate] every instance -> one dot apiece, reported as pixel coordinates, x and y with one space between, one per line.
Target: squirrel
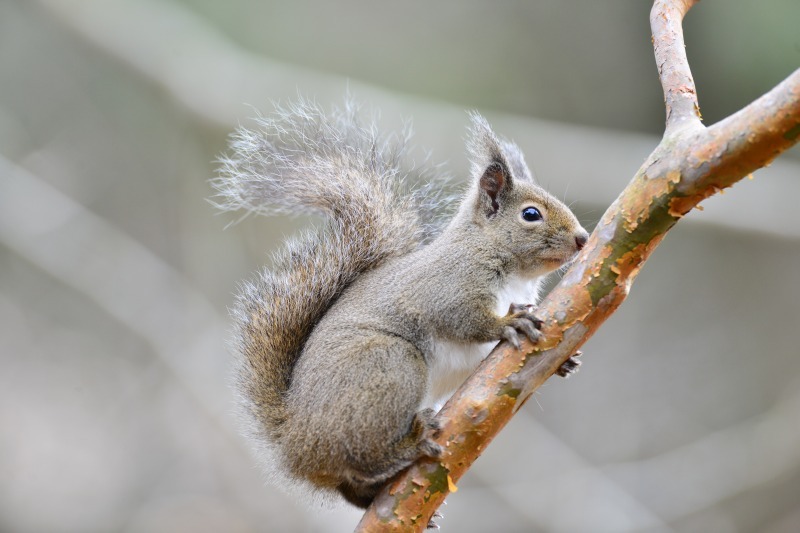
362 326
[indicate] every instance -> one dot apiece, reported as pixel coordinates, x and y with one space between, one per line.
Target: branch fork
691 163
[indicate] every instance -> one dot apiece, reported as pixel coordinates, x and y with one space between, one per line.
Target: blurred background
116 273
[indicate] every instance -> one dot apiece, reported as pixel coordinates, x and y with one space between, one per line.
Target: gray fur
338 340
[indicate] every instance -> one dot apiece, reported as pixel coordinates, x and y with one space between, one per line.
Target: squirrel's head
521 220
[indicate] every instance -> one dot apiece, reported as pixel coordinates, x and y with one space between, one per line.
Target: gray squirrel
362 326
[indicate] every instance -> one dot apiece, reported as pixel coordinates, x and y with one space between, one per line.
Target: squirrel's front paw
520 318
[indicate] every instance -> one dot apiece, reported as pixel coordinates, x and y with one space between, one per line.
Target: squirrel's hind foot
428 428
570 366
361 485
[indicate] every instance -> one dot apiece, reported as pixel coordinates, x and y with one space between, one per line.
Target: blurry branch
201 69
691 163
212 79
722 463
616 505
133 285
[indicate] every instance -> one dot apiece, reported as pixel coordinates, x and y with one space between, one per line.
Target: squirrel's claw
526 311
432 425
432 522
428 427
510 334
570 366
528 327
515 309
520 318
430 449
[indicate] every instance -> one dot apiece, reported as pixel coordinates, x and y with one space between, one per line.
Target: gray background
115 272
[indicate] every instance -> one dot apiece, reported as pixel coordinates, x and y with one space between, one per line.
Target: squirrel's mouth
551 264
559 261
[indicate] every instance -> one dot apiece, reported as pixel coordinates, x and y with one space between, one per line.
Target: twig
691 163
680 95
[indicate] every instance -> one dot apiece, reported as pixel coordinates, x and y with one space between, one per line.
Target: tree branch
765 128
680 96
689 164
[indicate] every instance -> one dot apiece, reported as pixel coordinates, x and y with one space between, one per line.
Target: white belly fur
451 363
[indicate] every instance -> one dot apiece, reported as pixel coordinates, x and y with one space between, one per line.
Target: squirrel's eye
531 214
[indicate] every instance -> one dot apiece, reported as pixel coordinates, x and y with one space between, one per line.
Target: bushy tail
303 159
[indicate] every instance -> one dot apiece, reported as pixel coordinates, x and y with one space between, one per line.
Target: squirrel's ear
493 182
489 165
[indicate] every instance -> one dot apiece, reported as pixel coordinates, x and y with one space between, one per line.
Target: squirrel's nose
580 240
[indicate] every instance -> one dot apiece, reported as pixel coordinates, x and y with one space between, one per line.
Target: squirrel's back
303 160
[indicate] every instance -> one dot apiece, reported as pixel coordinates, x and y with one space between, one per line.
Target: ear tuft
516 161
483 146
489 165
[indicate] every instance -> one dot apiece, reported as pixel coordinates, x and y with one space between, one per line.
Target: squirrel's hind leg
362 486
389 430
370 425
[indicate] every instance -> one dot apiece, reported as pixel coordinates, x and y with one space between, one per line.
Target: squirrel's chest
452 362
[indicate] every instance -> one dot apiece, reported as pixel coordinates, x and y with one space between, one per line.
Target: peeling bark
691 163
